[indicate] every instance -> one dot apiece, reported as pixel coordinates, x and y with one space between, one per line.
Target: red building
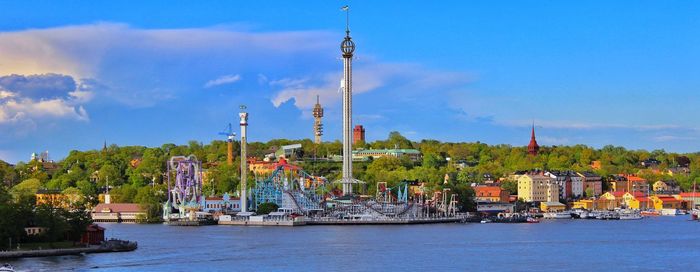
93 235
533 147
358 134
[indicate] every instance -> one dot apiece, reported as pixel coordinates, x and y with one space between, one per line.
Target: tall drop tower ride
347 48
318 126
244 159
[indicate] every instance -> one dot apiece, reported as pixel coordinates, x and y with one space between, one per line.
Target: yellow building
660 202
639 203
537 188
55 198
552 207
594 204
666 187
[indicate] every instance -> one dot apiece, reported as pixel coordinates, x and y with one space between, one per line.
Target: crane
230 135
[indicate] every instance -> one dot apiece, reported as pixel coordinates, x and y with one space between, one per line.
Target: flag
345 8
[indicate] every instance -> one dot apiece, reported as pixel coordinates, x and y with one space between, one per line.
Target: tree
77 219
26 188
266 208
150 199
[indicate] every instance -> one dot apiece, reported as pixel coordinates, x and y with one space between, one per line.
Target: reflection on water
661 243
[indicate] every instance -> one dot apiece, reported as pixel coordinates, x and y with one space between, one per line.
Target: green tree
26 188
266 208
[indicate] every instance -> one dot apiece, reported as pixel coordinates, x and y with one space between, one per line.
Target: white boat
630 216
557 215
7 268
484 221
671 212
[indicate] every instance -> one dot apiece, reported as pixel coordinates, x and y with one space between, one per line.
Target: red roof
94 227
118 207
618 193
642 199
487 191
690 194
668 199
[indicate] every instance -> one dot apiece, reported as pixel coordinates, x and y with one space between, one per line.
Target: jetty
106 246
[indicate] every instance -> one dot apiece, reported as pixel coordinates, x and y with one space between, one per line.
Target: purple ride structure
185 193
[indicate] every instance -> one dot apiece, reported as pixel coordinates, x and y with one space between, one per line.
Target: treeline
137 173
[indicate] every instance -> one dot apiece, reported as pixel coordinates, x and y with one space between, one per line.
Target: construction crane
230 135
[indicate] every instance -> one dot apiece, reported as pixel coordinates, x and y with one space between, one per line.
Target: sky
76 74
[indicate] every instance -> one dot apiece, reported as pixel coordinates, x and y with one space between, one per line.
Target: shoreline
108 246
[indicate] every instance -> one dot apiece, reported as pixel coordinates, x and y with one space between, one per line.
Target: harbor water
651 244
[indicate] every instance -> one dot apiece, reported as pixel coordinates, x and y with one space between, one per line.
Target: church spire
533 148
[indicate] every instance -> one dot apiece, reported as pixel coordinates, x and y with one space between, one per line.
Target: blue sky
74 74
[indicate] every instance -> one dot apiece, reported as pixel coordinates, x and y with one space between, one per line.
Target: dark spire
533 148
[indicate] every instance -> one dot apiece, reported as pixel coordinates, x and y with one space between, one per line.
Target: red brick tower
358 134
533 147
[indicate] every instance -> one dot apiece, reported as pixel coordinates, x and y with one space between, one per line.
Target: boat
486 220
608 216
650 213
671 212
694 214
532 220
7 268
630 215
557 215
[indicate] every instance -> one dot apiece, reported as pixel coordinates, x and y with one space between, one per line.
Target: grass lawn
62 244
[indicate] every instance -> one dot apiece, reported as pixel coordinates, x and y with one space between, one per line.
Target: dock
107 246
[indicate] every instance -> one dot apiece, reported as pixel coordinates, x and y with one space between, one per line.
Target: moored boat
7 268
630 215
650 213
557 215
671 212
532 220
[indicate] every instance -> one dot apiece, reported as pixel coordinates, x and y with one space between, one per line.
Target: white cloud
409 78
227 79
24 100
15 110
137 65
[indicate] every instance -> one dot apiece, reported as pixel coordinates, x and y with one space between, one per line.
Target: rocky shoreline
106 246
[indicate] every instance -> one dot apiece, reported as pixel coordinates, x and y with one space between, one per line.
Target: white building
221 204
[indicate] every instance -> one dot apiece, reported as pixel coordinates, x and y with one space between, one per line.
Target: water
652 244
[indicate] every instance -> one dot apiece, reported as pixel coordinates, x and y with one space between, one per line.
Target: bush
267 207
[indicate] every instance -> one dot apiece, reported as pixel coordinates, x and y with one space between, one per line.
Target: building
680 170
55 197
533 148
670 187
552 207
358 134
223 204
32 231
318 126
591 204
537 188
286 151
593 182
412 154
629 183
490 194
693 198
639 203
570 184
659 202
93 235
118 212
494 207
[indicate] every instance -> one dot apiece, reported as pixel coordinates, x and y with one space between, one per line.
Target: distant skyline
76 74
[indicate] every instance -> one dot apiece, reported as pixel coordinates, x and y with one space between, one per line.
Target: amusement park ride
298 194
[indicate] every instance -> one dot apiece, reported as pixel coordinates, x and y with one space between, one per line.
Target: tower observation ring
347 46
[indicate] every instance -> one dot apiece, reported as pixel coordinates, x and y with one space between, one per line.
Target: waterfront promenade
651 244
